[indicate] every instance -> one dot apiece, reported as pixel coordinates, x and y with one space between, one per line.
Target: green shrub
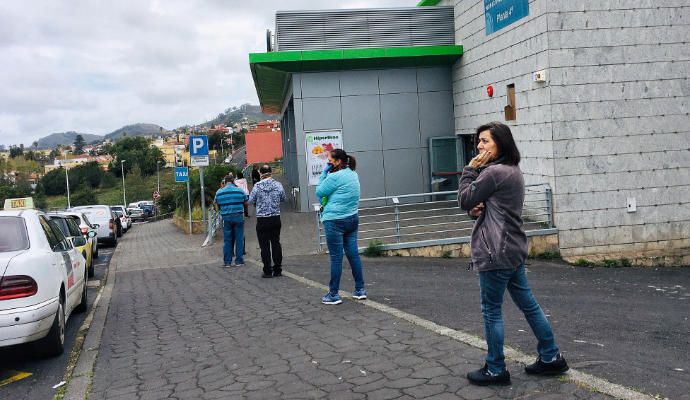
447 254
583 263
548 255
374 249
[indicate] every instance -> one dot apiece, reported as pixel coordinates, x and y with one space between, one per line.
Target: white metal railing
427 219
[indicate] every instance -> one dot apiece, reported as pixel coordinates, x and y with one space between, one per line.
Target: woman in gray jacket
492 189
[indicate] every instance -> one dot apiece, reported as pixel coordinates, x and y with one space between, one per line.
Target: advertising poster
319 143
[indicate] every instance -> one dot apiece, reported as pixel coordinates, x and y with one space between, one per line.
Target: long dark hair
347 161
508 152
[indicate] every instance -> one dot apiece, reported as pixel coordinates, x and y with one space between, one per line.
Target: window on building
511 107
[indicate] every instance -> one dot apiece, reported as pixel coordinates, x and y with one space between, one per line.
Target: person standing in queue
231 200
338 192
492 189
256 176
267 195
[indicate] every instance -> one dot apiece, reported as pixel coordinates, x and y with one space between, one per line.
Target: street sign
501 13
181 174
198 151
156 195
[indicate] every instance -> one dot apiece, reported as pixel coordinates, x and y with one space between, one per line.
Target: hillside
135 130
236 114
65 138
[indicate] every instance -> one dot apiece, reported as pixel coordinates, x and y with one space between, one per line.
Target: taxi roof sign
22 203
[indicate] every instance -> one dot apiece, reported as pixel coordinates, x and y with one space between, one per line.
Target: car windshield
118 213
13 235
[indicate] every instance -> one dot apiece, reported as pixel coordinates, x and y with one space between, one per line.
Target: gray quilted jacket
498 241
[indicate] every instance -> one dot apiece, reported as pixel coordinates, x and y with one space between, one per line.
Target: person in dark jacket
492 189
256 175
267 195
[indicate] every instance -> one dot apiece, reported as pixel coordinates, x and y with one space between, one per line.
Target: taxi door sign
22 203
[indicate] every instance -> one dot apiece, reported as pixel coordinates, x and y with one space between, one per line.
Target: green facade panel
272 71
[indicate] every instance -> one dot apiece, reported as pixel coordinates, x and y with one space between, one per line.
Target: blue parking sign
198 145
501 13
181 174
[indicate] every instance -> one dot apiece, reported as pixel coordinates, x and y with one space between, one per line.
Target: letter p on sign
198 145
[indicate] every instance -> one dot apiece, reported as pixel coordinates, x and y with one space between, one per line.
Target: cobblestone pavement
179 326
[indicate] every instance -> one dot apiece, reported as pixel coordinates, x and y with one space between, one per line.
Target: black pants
268 233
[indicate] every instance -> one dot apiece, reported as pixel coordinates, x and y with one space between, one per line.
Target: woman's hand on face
480 159
477 210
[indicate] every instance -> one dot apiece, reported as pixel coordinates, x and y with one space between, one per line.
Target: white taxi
42 280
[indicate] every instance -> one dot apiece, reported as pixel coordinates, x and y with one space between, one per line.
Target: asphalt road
630 326
46 372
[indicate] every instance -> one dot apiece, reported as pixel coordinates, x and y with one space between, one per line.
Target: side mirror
91 234
79 241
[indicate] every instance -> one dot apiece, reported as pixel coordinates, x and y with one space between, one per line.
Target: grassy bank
113 195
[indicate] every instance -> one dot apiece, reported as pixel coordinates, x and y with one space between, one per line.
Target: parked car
135 213
105 220
42 282
122 218
127 221
69 225
86 226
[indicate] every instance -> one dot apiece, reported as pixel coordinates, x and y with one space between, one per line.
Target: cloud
94 67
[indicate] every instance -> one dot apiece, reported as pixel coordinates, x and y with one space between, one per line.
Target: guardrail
428 219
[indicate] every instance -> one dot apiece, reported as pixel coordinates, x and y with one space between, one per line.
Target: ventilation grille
365 28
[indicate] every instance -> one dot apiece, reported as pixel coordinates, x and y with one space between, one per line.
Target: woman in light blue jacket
338 191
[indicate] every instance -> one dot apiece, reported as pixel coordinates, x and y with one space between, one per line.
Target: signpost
182 175
198 157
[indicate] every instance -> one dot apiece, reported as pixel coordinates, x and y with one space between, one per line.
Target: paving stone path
179 326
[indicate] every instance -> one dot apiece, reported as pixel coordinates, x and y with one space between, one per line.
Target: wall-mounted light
490 91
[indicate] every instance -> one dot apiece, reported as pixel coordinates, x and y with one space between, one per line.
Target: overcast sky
95 66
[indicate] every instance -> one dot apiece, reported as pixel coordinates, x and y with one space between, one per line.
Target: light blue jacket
341 188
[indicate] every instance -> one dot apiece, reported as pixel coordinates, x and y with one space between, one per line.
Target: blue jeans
492 286
341 234
233 238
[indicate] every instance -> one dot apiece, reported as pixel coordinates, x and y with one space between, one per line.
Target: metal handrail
457 220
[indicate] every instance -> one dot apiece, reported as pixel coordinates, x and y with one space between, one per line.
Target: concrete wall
610 123
386 116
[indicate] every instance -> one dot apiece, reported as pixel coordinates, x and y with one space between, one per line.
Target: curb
81 376
581 378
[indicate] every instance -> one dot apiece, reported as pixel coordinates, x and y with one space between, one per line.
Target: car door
72 265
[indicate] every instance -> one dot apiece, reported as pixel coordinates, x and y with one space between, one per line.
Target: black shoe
277 274
265 275
482 377
556 367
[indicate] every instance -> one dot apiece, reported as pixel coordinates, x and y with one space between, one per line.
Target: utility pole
124 195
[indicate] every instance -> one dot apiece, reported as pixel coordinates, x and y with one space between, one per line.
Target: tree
84 196
16 151
79 144
136 151
53 182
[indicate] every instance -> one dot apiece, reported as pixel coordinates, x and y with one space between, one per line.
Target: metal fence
428 219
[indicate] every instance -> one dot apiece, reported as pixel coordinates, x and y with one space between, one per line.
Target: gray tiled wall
609 124
386 117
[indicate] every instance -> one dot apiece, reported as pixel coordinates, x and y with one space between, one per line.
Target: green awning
272 71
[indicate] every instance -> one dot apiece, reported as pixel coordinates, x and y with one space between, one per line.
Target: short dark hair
507 149
265 169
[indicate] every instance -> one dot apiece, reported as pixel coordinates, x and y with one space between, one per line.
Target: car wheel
83 304
54 344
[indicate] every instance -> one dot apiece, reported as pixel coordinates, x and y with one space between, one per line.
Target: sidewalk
181 327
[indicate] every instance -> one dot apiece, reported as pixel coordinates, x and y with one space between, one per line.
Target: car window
14 236
65 244
55 241
86 220
73 226
61 223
